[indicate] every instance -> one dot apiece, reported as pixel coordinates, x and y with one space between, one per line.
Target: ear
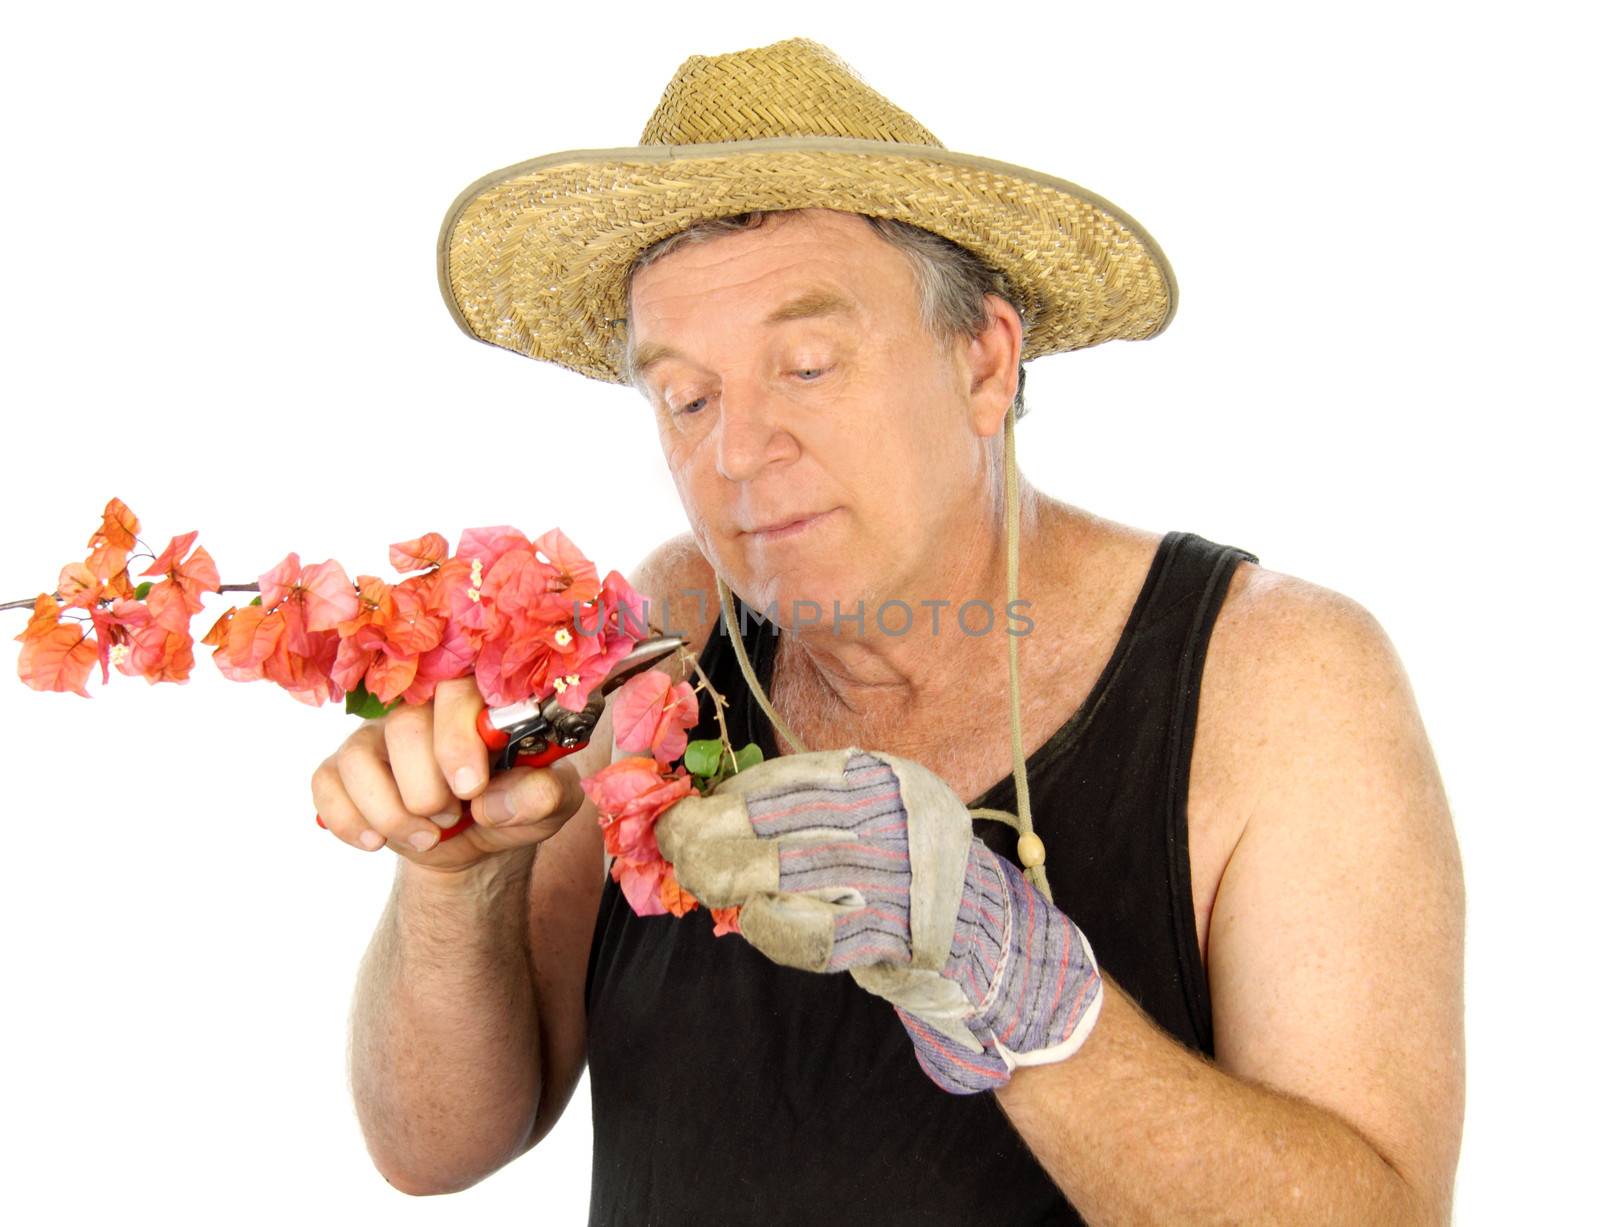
992 358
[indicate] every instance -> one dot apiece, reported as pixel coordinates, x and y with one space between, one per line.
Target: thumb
524 797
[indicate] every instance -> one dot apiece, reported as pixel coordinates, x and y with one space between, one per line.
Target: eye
810 374
688 407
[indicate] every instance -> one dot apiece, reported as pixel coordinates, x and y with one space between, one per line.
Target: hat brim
534 258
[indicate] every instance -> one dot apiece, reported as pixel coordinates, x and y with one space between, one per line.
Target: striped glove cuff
1027 969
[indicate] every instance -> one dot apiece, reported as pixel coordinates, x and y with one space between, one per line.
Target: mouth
782 530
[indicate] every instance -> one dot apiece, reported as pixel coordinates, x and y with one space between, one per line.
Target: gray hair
951 280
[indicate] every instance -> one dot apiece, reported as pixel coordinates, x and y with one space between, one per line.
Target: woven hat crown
535 258
793 88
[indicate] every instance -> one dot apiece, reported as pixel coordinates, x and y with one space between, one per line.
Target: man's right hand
400 779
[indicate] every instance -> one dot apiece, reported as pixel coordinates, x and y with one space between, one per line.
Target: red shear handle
496 740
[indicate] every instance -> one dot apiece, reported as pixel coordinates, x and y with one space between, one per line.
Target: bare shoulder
1289 661
679 587
1336 939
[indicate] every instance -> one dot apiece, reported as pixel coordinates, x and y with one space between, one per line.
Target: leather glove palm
850 860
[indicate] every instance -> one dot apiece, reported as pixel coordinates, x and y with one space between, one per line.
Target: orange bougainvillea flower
78 586
56 655
118 527
673 897
426 551
192 575
382 645
60 659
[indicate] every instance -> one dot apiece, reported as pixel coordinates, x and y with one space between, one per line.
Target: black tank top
729 1089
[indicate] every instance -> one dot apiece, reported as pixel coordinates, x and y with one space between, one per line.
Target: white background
220 305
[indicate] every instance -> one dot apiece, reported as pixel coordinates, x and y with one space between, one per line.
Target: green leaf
748 756
143 590
703 757
363 703
256 601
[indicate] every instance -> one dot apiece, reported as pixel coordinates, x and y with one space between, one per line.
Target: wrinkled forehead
807 263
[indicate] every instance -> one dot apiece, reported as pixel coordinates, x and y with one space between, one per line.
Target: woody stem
717 703
28 602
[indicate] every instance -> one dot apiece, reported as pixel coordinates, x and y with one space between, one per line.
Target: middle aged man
1227 785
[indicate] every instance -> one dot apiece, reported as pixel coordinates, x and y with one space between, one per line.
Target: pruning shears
535 733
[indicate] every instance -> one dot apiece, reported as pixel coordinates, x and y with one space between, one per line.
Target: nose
751 433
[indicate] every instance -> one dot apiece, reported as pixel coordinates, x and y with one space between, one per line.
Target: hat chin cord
1030 849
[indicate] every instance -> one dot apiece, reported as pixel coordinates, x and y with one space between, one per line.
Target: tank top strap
1175 644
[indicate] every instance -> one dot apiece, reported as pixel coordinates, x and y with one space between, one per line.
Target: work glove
862 861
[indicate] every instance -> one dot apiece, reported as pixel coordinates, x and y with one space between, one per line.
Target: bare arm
444 1032
1335 964
468 1032
446 1054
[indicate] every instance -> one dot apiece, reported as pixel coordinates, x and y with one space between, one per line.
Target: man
835 435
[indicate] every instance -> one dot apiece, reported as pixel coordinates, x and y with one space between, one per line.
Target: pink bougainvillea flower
530 643
168 607
652 716
160 655
322 590
484 546
630 795
115 628
452 658
578 580
516 595
641 884
621 608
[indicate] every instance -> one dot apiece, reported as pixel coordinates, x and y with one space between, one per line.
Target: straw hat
534 258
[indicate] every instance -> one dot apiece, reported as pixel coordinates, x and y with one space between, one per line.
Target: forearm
444 1041
1134 1128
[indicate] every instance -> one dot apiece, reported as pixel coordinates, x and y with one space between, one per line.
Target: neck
863 682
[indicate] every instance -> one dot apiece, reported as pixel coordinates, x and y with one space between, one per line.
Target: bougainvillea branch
524 618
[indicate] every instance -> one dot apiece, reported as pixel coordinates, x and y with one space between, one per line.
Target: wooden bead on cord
1030 850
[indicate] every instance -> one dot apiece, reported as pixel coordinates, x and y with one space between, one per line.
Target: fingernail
423 840
448 819
466 780
497 805
371 840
